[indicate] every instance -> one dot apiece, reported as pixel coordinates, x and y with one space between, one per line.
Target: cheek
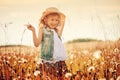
48 22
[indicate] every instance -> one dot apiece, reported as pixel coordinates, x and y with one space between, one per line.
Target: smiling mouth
53 26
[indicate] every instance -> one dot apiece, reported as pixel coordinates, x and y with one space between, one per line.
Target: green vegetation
14 46
82 40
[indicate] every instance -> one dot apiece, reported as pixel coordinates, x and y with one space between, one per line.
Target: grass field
87 57
82 54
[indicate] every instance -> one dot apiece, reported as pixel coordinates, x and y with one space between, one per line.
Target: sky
97 19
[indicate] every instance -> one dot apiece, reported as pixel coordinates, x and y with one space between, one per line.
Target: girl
49 36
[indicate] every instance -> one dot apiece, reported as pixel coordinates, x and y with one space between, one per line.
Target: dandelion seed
97 54
116 50
36 73
91 68
68 75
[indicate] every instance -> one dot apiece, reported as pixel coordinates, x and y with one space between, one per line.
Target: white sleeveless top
59 50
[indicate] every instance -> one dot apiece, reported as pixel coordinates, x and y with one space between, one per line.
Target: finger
27 25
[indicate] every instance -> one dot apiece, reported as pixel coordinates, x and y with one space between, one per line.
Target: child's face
52 21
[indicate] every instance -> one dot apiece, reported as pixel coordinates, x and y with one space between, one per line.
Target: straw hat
52 10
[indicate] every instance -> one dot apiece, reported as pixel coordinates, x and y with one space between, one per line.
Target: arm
61 27
36 41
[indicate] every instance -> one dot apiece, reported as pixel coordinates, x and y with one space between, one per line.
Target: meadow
97 60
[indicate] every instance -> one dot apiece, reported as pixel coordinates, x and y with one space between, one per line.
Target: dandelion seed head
68 75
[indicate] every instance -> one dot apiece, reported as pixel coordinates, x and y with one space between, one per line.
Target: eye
57 20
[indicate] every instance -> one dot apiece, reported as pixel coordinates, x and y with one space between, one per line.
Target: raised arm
36 40
60 30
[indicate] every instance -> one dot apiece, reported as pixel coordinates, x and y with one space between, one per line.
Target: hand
30 27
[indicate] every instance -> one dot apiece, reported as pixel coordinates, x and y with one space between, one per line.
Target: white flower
23 60
116 50
7 61
97 54
19 61
91 68
36 73
68 75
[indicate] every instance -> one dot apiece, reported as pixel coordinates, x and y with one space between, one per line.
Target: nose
55 22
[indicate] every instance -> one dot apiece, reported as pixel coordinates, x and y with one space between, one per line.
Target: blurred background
94 19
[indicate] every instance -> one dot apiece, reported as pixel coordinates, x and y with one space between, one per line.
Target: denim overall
47 47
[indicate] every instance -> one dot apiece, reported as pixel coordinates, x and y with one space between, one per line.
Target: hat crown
51 9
